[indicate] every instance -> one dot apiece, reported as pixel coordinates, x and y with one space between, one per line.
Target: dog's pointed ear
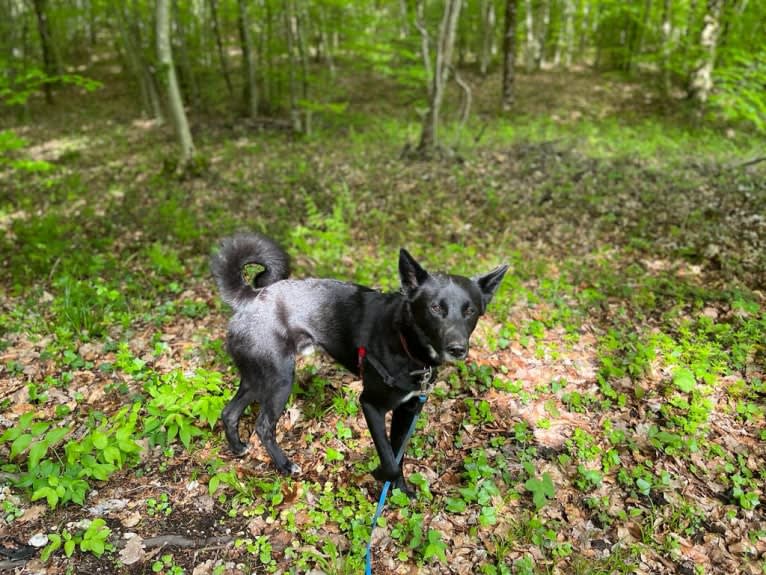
488 283
411 273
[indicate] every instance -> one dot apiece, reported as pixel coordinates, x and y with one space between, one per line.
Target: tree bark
136 61
688 29
429 137
268 83
425 42
404 26
667 29
219 44
509 54
292 32
567 37
46 43
300 43
133 60
542 33
465 106
487 35
93 24
185 67
531 49
637 47
586 29
300 37
326 48
250 90
170 82
702 77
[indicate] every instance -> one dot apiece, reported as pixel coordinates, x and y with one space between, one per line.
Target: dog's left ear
410 272
488 283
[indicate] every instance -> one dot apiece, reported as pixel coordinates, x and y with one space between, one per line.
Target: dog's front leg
388 470
401 420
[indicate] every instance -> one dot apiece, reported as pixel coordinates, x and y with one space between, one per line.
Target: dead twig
186 542
747 163
8 564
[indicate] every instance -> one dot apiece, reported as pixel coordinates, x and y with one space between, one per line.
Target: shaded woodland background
281 59
610 416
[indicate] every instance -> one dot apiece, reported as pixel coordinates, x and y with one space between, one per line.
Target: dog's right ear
410 272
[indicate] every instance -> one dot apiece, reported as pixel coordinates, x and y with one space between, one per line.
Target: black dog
394 340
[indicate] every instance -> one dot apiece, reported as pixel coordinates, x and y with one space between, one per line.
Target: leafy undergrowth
609 418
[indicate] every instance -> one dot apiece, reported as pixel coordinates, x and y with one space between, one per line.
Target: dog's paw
404 487
289 468
240 449
383 474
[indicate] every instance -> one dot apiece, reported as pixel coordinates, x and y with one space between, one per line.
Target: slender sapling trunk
170 82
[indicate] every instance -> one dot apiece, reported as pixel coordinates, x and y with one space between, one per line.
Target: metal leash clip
426 379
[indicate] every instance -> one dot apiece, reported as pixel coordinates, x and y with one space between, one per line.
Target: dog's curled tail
240 250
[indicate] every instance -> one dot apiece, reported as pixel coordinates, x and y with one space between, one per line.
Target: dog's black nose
457 351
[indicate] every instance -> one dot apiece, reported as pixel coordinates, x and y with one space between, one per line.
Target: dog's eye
437 308
468 311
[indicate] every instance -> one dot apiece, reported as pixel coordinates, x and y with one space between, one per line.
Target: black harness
402 381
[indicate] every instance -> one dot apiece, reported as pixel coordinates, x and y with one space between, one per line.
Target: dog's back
294 315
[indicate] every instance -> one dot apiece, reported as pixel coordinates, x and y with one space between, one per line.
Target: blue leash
386 487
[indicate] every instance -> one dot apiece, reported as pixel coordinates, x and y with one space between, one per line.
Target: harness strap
426 374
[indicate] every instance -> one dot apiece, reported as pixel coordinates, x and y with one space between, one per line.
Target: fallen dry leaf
133 552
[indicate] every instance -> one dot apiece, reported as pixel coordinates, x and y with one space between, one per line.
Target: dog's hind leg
233 411
274 398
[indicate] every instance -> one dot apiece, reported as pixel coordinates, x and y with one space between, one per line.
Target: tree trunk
92 23
566 38
326 48
586 29
300 26
425 50
170 82
531 49
219 44
46 43
509 54
701 82
185 67
429 137
542 33
667 29
129 32
268 82
292 28
250 91
8 35
688 30
300 43
133 60
487 35
404 26
637 47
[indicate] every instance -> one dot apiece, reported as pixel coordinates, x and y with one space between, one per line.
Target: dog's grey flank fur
276 318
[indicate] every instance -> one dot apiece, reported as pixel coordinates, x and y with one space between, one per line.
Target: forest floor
609 418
